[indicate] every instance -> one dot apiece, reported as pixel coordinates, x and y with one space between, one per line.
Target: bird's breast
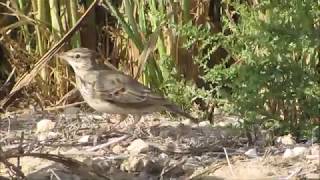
116 108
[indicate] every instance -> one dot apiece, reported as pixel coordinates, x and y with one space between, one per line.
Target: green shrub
275 80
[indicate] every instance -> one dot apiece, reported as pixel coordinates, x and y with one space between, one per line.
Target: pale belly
106 107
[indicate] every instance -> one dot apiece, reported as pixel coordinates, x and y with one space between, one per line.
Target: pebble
286 140
45 125
84 139
118 149
138 146
288 153
252 153
296 151
204 123
135 163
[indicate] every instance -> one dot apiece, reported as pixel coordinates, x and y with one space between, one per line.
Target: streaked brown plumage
108 90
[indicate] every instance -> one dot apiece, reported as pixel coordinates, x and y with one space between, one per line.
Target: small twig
170 168
13 113
64 106
116 157
9 124
8 79
163 169
16 171
80 168
4 159
208 170
54 174
297 171
20 149
266 154
229 164
70 93
308 171
107 63
113 141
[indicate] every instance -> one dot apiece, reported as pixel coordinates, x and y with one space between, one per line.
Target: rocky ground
76 145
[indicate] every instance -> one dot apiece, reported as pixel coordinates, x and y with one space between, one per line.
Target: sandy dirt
81 145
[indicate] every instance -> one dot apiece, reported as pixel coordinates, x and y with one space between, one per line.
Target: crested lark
110 91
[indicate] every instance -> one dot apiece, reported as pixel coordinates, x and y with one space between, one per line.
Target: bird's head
80 58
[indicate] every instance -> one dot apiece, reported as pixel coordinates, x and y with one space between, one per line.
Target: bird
109 90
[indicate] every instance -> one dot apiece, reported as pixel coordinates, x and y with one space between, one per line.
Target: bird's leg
136 119
122 118
132 126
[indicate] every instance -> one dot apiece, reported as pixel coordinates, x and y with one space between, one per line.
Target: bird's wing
120 88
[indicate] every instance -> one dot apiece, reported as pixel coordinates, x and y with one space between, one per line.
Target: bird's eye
77 56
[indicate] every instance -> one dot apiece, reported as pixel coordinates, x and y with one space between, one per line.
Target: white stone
84 139
222 124
252 153
118 149
45 125
204 123
297 151
286 140
135 163
163 156
53 135
186 122
97 117
43 136
138 146
288 153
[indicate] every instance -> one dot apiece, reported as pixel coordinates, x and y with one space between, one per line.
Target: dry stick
168 169
12 113
208 170
64 106
114 141
229 164
9 125
150 46
74 165
20 149
27 77
10 166
54 174
8 79
70 93
294 173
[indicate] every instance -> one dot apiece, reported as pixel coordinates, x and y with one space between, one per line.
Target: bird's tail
175 109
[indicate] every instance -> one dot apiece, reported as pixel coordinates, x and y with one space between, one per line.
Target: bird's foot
133 125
